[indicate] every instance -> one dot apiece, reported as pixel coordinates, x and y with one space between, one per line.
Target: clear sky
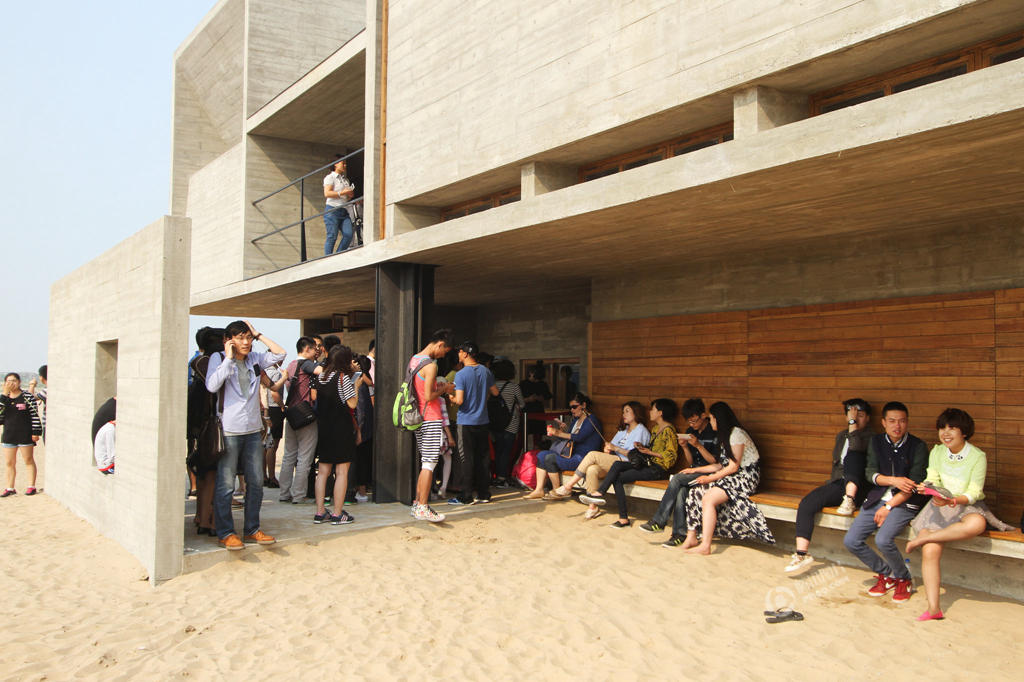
85 142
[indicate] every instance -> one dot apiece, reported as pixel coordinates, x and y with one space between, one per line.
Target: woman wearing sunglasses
571 444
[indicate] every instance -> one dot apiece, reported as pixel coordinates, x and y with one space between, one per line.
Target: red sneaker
882 586
904 588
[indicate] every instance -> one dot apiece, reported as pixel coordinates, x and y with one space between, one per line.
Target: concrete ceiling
330 112
971 173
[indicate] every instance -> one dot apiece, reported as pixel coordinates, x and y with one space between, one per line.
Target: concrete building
777 204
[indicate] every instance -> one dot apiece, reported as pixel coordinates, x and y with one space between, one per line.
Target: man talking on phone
235 377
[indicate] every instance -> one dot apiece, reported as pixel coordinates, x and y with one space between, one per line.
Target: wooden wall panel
668 357
1009 407
829 344
785 371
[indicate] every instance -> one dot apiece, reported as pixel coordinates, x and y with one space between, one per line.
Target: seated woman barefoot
720 501
572 445
661 456
959 468
596 464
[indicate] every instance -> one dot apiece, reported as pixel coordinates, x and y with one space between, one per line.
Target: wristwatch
888 506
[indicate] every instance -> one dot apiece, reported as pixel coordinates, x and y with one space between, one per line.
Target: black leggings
622 473
831 494
364 463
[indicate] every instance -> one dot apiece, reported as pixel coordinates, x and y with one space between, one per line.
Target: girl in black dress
336 444
22 427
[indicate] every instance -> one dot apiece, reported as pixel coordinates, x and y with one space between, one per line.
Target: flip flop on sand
782 615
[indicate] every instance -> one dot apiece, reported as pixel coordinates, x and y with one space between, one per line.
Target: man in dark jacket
897 462
845 486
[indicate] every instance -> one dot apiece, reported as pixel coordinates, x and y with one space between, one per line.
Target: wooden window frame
659 151
481 204
971 58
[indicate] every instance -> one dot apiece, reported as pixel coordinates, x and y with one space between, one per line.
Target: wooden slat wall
668 357
785 372
1009 407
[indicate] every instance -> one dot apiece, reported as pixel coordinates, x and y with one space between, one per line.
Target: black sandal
619 524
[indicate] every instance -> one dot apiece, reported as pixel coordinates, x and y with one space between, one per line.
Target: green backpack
406 413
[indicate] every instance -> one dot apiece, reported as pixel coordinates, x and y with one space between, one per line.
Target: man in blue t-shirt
473 383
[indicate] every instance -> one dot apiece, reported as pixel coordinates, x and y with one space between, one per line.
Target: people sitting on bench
954 480
845 485
571 445
595 465
719 502
896 465
700 450
659 458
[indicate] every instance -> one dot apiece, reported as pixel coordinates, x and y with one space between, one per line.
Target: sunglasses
573 407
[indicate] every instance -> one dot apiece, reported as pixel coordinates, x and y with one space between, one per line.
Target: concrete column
405 302
760 108
404 218
373 131
541 178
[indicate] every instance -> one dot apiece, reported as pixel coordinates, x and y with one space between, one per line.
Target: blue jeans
246 451
673 503
335 219
864 525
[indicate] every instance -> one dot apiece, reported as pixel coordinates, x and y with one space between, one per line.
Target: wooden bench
783 506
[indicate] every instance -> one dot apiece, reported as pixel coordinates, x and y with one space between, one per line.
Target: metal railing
357 238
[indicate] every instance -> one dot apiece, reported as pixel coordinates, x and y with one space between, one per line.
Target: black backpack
498 413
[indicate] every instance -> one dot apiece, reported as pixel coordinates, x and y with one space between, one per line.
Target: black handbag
638 460
300 415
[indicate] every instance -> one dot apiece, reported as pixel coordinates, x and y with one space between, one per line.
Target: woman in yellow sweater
660 457
956 469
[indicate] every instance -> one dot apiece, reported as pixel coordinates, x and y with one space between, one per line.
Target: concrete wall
473 87
207 97
215 206
926 261
137 295
555 328
277 54
271 163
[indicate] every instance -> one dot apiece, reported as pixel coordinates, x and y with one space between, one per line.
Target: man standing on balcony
338 190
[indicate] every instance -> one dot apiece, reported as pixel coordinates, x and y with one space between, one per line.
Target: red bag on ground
525 469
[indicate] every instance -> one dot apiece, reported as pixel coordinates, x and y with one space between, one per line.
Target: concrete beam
760 108
541 178
402 218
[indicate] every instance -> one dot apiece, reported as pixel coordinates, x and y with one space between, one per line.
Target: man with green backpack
421 383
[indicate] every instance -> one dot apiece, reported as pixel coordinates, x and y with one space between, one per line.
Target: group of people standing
237 415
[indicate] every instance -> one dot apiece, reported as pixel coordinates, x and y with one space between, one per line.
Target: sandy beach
527 593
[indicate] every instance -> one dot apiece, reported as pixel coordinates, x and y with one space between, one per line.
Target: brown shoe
231 542
260 537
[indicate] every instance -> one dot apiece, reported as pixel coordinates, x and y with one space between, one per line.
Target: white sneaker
425 513
797 562
362 498
847 508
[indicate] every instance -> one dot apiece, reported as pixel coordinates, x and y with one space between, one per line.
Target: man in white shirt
236 374
338 190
